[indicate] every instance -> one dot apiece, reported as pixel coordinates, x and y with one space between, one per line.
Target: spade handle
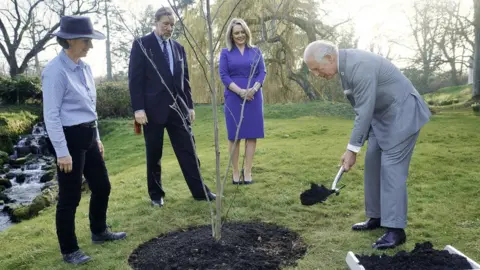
337 178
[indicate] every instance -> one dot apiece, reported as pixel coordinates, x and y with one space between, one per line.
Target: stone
20 178
47 167
4 198
48 176
39 203
3 158
21 161
20 213
5 183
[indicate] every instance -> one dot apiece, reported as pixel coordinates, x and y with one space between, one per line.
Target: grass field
301 146
453 97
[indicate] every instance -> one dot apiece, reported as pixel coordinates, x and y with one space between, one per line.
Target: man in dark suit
158 78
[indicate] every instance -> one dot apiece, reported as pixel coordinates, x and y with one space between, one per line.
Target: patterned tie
165 54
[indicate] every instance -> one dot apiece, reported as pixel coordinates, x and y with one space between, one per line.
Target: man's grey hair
319 49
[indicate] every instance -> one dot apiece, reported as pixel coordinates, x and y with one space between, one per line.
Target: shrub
25 89
113 100
446 102
16 121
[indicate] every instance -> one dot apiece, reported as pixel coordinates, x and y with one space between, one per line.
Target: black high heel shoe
246 182
239 182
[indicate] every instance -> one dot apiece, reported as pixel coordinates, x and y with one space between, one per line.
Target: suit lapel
342 62
156 54
175 53
178 61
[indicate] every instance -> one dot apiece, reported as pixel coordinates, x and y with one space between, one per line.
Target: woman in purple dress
242 71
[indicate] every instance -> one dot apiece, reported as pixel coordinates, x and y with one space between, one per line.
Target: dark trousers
184 151
87 161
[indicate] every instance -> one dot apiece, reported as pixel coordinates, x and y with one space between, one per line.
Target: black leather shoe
158 203
210 195
391 239
107 236
76 257
371 224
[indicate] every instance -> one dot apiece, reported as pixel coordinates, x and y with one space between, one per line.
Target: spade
318 194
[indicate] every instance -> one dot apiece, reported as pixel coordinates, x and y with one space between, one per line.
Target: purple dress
235 67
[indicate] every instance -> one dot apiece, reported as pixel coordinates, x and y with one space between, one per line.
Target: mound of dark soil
243 246
423 256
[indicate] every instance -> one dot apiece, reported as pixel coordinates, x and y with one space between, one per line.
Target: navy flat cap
73 27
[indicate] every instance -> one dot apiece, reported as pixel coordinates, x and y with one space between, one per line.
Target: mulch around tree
242 246
423 256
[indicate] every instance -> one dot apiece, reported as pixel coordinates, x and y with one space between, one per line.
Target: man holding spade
389 113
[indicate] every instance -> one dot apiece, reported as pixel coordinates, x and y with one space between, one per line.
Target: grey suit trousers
385 179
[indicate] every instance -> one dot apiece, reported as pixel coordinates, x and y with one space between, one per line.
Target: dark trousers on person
86 161
181 141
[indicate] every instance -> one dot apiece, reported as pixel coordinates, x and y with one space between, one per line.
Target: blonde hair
228 35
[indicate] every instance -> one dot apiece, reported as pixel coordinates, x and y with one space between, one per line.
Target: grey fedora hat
73 27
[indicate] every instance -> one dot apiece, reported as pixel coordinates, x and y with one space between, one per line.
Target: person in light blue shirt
69 109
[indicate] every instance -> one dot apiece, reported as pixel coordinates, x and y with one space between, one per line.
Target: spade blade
316 194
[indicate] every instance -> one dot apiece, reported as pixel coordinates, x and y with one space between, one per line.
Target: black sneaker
107 236
76 257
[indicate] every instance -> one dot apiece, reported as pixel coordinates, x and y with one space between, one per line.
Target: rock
4 198
22 160
2 202
10 175
22 151
32 166
23 212
6 168
2 188
38 204
48 185
20 178
47 167
20 213
5 183
48 176
3 158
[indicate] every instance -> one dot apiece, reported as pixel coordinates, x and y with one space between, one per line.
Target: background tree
476 59
17 18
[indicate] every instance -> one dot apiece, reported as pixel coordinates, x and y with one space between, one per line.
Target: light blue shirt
169 49
69 98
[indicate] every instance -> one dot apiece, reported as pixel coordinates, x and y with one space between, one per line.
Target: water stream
25 170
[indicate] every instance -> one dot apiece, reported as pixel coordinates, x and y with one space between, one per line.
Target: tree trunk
476 59
217 226
454 74
107 44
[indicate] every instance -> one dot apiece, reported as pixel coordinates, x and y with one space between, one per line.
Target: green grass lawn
449 97
443 191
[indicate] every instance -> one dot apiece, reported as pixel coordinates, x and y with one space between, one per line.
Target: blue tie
165 54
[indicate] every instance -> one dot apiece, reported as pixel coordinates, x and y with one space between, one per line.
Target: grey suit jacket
384 100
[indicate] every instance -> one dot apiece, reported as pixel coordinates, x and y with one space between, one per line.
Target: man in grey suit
389 113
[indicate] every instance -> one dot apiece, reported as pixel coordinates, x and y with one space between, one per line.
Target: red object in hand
138 127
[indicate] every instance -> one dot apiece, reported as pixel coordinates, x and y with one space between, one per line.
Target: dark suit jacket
147 92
